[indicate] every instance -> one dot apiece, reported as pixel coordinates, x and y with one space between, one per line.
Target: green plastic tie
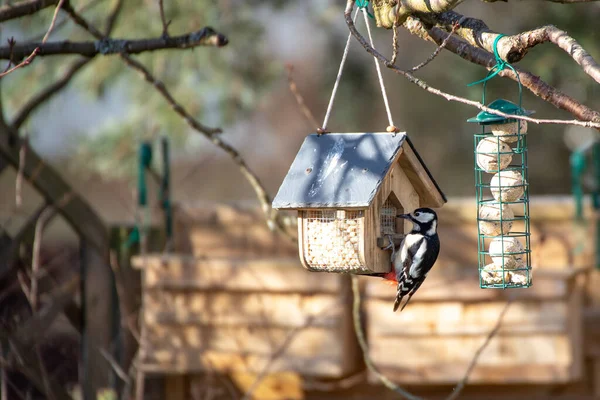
500 64
363 4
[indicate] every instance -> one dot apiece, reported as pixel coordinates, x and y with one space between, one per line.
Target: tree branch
35 51
27 7
274 220
425 86
481 57
437 51
513 48
54 88
552 34
461 385
362 341
163 19
204 37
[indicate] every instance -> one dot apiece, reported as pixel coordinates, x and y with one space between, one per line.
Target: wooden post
96 299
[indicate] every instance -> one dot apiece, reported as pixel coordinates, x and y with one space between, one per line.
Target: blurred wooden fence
234 300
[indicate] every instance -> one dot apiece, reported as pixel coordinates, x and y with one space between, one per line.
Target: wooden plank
397 183
458 318
542 208
421 181
96 288
575 326
234 308
438 287
450 373
427 352
180 362
269 275
308 342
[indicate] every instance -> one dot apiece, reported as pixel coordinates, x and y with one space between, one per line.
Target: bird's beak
405 216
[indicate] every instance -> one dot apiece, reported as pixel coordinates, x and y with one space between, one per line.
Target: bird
418 253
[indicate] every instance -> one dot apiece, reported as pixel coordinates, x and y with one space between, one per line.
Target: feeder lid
338 170
505 106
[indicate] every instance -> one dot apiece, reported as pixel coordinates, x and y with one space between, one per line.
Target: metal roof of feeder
347 169
505 106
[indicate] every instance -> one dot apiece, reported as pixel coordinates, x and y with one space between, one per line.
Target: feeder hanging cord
361 6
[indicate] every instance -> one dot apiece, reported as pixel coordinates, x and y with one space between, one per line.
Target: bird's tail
405 285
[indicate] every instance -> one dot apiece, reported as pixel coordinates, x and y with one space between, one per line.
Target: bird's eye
417 214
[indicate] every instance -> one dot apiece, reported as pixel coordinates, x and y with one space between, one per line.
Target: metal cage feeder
502 194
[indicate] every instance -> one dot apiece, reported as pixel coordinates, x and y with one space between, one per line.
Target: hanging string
391 127
361 5
323 129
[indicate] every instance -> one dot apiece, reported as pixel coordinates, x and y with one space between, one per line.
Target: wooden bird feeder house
348 189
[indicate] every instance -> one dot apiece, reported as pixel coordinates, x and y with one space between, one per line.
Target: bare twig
46 215
36 50
437 50
20 175
272 217
113 17
114 364
458 389
425 86
11 44
60 22
274 357
20 9
53 22
165 23
106 46
22 64
299 99
49 91
362 341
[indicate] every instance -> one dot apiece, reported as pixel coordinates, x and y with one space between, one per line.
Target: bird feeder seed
489 150
333 243
507 186
509 133
491 274
495 219
501 249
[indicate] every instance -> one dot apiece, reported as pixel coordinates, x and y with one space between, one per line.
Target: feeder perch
502 198
348 189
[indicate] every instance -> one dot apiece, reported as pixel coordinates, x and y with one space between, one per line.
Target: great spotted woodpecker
418 252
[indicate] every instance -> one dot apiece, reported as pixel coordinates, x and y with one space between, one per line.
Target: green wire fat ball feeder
502 192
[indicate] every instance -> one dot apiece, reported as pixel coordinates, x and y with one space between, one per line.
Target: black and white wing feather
417 255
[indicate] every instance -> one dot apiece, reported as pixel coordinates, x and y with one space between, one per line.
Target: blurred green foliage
217 86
